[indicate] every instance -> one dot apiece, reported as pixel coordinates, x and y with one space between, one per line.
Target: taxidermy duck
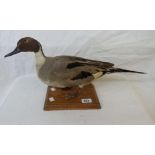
65 71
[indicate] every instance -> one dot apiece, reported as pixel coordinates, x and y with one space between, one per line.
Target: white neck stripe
40 58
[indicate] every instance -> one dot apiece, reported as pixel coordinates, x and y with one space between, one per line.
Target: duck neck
40 58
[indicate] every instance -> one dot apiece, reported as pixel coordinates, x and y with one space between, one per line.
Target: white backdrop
125 98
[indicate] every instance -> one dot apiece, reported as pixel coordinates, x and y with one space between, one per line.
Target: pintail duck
65 71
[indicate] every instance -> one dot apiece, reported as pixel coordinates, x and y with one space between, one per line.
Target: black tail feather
116 70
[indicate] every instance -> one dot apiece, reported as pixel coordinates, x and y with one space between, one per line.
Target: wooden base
58 99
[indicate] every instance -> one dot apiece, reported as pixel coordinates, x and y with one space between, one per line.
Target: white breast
40 59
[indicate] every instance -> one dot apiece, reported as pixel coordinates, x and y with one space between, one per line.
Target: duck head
26 44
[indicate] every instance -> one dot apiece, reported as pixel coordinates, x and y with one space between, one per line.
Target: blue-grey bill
16 51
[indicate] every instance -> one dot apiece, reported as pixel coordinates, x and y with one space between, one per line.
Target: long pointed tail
116 70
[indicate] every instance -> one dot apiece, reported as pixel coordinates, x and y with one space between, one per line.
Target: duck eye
26 40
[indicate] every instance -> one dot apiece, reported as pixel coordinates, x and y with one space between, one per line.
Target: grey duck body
69 71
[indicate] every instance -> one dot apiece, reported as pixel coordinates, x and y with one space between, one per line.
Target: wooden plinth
86 99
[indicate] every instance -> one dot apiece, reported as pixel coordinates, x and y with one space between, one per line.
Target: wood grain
62 102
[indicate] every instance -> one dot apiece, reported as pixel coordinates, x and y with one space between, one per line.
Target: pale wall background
125 98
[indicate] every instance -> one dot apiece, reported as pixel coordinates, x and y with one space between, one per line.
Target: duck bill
16 51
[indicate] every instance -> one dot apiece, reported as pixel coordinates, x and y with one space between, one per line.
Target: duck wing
81 69
74 62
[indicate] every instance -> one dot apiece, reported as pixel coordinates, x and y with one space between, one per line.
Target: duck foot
71 93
